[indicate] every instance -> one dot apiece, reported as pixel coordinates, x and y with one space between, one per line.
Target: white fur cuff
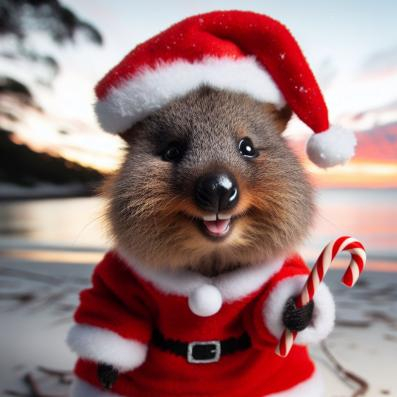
323 315
100 345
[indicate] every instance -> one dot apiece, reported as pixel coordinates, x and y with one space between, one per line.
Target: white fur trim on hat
323 316
150 89
334 146
100 345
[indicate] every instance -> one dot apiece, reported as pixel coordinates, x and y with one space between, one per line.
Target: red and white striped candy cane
320 268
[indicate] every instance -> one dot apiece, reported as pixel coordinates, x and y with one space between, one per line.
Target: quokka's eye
247 148
173 153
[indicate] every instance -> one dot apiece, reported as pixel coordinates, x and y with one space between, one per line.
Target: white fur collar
232 286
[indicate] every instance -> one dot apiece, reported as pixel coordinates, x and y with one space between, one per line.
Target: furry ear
281 116
129 135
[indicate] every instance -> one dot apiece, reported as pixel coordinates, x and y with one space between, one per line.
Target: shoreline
10 199
30 252
43 191
10 192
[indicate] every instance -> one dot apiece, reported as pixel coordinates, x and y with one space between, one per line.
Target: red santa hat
234 50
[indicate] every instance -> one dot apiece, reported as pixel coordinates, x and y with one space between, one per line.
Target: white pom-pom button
205 301
333 147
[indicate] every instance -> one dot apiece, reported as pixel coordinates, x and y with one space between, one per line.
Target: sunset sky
351 46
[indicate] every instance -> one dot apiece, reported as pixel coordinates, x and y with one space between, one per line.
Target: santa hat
234 50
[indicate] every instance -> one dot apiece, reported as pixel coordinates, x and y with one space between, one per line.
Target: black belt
201 352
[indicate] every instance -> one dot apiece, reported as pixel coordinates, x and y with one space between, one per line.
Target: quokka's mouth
216 226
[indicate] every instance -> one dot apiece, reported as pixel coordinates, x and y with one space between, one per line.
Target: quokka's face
209 183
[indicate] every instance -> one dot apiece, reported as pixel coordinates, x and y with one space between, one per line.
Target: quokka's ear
281 116
129 135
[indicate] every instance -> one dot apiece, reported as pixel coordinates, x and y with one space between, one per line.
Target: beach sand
37 300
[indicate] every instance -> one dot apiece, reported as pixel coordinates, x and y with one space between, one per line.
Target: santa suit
128 304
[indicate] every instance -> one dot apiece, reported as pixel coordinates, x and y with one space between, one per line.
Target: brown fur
151 207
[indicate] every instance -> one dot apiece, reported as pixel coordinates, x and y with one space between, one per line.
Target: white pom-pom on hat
205 300
334 146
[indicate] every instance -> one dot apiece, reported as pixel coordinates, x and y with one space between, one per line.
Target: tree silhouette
20 18
19 21
20 164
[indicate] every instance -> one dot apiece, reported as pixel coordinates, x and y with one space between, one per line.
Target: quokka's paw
107 375
297 319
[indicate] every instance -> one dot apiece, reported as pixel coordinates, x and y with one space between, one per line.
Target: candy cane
356 266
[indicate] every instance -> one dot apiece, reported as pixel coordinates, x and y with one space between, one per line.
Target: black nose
216 192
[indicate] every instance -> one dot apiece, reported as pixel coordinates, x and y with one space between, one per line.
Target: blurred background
53 158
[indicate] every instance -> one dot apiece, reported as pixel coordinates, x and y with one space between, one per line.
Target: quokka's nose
216 192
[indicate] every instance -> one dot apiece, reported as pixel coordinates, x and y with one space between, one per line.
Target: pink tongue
217 227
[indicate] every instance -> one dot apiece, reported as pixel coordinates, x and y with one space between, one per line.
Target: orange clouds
357 173
374 166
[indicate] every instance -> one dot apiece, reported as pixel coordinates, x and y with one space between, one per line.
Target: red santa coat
117 316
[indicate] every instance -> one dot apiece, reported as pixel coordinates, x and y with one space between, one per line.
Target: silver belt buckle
215 352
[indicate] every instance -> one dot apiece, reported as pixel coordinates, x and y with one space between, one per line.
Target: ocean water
369 215
77 224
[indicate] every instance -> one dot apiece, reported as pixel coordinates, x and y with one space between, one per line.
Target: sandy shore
37 300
